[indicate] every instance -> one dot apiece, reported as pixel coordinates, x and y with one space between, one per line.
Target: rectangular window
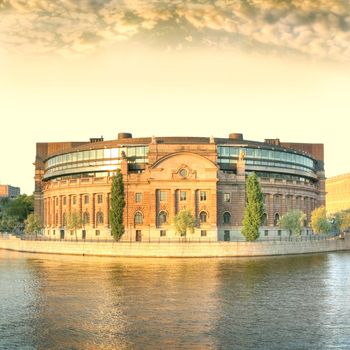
266 232
48 232
203 195
71 232
99 198
53 232
162 233
138 197
227 235
203 233
64 200
97 232
74 200
279 232
227 197
183 195
162 196
86 199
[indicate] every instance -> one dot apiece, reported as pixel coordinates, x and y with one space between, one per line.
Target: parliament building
163 175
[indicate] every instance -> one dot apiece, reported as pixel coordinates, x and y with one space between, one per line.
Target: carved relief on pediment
184 172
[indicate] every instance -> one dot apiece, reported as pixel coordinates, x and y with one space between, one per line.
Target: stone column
60 219
270 210
105 210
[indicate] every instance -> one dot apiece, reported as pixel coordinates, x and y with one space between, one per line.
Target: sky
75 69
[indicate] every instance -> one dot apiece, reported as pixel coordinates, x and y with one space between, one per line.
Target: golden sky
74 69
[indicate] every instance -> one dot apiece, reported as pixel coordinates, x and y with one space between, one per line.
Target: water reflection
58 302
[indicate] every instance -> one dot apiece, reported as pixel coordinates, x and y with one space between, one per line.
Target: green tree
184 222
117 206
33 224
254 208
74 222
293 221
341 221
20 207
319 221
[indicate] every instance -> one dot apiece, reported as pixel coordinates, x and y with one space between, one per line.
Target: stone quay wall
179 249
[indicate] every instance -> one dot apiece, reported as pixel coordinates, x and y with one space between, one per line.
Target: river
66 302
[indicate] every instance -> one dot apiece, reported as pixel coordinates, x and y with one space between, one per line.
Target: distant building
163 175
7 191
338 193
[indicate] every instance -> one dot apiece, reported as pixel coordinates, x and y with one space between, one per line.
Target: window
279 232
74 200
53 232
138 197
86 199
203 195
99 218
138 219
277 219
86 218
99 198
203 217
162 196
227 197
162 233
227 218
162 217
64 219
71 232
203 233
64 200
264 220
266 232
183 195
227 235
97 232
56 201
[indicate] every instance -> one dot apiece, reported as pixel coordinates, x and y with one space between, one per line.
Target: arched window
138 219
99 218
162 217
276 219
202 217
86 218
264 220
227 218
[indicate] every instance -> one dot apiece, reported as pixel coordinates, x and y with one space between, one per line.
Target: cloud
80 27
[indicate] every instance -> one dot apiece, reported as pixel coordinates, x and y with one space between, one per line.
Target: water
63 302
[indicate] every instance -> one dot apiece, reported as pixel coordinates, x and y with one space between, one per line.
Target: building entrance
61 234
138 236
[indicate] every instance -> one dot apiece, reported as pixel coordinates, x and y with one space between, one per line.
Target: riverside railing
183 240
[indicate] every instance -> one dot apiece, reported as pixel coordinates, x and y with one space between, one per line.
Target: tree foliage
13 212
341 221
33 224
293 221
74 222
254 208
319 221
117 206
184 222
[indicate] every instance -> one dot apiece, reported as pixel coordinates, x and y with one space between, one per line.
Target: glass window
97 232
203 195
162 217
183 195
266 232
86 218
138 197
138 218
233 151
114 152
99 153
99 198
203 217
74 200
162 233
227 218
162 196
86 199
203 233
227 197
99 218
64 200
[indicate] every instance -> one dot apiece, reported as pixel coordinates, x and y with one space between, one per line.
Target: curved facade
166 174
